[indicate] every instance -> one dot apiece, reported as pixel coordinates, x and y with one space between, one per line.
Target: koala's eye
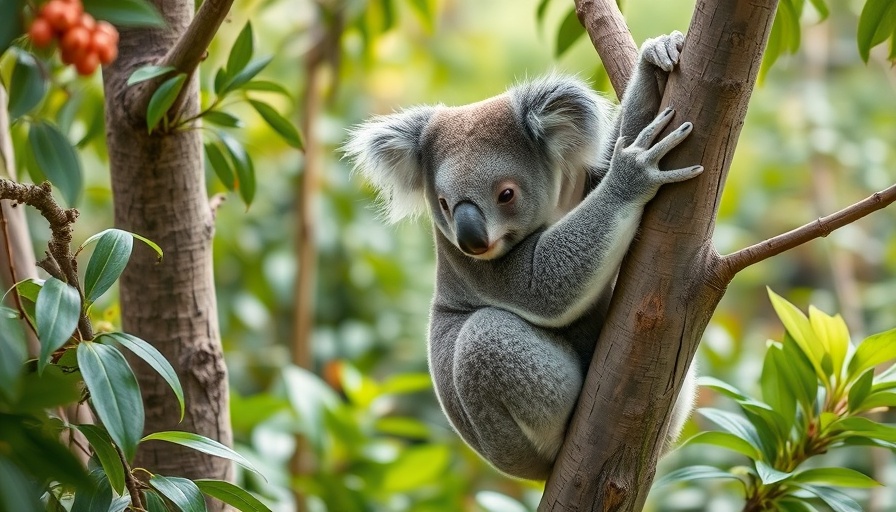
505 196
443 204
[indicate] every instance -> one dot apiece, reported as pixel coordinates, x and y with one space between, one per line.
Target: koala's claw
664 51
646 155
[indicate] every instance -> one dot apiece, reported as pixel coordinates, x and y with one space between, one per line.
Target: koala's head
492 172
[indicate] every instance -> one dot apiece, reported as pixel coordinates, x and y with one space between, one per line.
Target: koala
535 195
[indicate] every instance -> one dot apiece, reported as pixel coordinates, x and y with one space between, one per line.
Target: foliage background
819 135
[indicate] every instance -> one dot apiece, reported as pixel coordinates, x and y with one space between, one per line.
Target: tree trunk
671 279
159 190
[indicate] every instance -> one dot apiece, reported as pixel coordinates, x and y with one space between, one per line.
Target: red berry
61 15
87 21
75 41
87 63
108 28
41 33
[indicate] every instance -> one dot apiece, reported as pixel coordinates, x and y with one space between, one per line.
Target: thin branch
189 50
611 38
59 262
737 261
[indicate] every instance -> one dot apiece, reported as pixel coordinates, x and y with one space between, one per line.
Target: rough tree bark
159 192
672 278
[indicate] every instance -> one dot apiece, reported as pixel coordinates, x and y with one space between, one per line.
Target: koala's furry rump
535 196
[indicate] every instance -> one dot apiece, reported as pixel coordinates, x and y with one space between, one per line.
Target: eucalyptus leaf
221 118
840 477
415 467
147 73
27 86
242 163
860 390
56 159
13 352
733 424
221 165
102 446
833 498
768 474
279 123
799 328
162 100
93 238
876 24
202 444
57 311
114 393
265 86
571 30
107 263
231 495
728 441
182 492
248 73
691 473
241 51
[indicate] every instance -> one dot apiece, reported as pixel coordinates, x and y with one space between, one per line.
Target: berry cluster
83 41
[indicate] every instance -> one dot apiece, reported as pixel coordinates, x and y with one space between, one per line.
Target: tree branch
823 226
189 50
611 38
59 262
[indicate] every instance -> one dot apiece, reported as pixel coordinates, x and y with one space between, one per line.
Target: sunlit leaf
221 165
867 427
874 350
309 397
775 386
876 24
222 119
570 31
114 393
841 477
540 11
107 263
231 495
822 7
148 72
726 440
101 444
403 383
409 428
425 12
126 13
279 123
242 163
692 473
241 51
248 73
876 400
153 358
162 100
265 86
800 330
415 467
57 310
722 387
182 492
768 474
56 159
27 85
833 498
202 444
833 334
860 390
733 424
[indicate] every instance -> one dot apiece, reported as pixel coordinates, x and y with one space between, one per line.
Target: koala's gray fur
523 284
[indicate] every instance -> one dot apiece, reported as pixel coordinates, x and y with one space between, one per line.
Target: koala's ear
386 150
565 119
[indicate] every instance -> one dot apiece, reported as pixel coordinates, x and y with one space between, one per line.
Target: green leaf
241 51
876 24
404 383
768 474
153 358
877 400
27 85
866 427
860 390
310 398
833 498
107 263
248 73
726 440
125 13
154 502
279 123
794 366
13 352
102 445
182 492
221 79
162 100
202 444
409 428
242 163
58 309
148 72
776 391
733 424
152 245
265 86
52 388
221 165
840 477
874 350
222 119
722 387
571 30
415 467
540 11
11 27
37 452
94 499
231 495
56 159
425 12
691 473
833 334
771 426
799 328
114 393
822 8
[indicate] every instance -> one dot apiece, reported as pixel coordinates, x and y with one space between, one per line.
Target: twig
611 38
737 261
188 51
59 262
129 480
12 266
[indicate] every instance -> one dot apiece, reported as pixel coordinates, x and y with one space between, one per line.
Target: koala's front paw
663 51
640 161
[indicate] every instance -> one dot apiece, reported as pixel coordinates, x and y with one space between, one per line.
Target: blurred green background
820 134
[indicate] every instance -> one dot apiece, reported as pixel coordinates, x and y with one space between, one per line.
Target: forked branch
611 38
737 261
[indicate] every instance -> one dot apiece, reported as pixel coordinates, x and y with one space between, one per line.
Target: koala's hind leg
517 385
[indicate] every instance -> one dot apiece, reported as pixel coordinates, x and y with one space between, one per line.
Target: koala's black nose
469 225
